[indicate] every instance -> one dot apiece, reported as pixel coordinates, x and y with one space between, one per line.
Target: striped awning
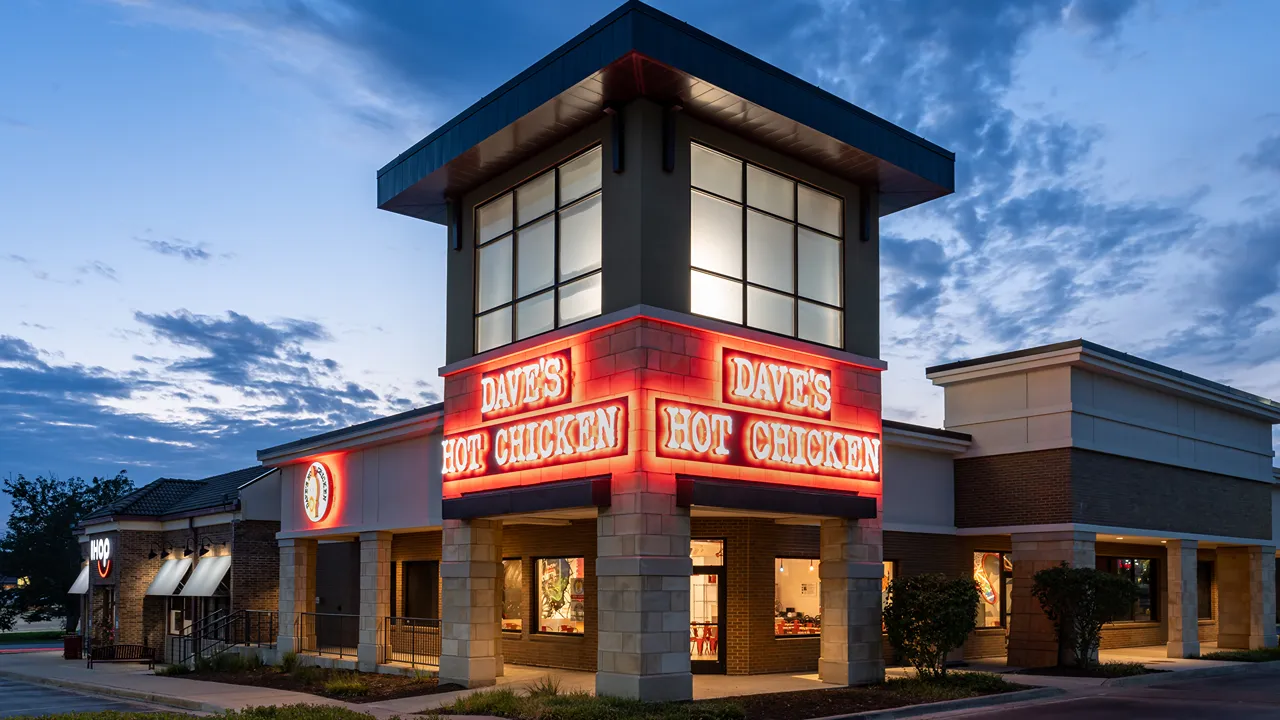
170 574
81 585
207 576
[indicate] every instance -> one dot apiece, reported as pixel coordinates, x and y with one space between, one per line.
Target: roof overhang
393 428
637 51
900 434
1101 359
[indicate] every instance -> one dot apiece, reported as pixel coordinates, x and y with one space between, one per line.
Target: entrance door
422 589
706 607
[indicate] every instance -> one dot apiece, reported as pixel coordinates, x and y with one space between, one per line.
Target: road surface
20 698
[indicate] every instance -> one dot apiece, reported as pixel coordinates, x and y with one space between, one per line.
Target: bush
289 662
228 662
546 686
928 616
282 712
346 685
583 706
308 674
1079 601
1255 655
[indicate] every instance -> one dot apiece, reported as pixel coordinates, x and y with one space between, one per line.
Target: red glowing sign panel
733 437
768 384
583 433
522 387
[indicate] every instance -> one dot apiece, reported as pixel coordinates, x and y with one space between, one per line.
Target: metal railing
255 628
195 638
328 633
415 641
220 631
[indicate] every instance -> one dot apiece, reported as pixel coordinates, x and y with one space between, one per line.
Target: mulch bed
805 704
381 687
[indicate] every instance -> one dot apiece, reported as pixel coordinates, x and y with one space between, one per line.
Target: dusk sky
194 267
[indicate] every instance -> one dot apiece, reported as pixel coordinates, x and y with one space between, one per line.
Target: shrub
546 686
1079 601
346 685
928 616
288 662
281 712
583 706
308 674
173 670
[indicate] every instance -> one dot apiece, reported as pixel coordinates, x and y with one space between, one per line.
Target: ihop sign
100 555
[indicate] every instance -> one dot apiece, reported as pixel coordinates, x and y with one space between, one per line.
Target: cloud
101 269
1265 157
191 252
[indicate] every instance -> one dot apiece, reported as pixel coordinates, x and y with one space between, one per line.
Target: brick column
375 598
1182 605
297 593
1246 597
471 609
642 587
850 574
1032 642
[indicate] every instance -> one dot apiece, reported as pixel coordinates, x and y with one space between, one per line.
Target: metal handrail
415 641
316 633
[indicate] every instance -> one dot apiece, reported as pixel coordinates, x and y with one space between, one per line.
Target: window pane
494 219
797 595
495 275
1144 575
579 176
580 238
716 235
561 595
885 581
769 251
535 315
716 173
770 311
535 198
770 192
493 330
1204 590
819 210
819 324
512 595
580 299
715 297
536 255
986 573
819 267
706 552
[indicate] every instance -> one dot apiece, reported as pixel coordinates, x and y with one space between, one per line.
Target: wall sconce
187 549
159 551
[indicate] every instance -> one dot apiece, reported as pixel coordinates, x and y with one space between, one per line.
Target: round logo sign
316 491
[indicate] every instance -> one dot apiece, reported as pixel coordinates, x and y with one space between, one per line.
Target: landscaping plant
1079 601
928 616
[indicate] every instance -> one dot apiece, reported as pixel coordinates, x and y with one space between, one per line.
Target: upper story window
538 254
766 250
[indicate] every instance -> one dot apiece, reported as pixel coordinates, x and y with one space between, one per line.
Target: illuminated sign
100 554
317 491
733 437
760 382
584 433
527 386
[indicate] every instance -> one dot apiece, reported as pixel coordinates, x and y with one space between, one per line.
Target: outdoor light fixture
810 566
158 551
780 567
187 549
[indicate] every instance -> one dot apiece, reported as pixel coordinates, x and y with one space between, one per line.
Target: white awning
81 585
206 577
170 574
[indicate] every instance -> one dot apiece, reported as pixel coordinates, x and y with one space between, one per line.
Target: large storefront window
561 594
538 254
704 599
993 573
885 581
1143 572
797 597
1204 589
765 250
512 595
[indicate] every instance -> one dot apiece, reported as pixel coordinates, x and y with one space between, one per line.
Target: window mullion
555 248
795 261
742 188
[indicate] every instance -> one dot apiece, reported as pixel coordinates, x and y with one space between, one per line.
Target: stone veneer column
642 577
1182 604
850 576
297 594
1246 597
1032 642
471 573
375 598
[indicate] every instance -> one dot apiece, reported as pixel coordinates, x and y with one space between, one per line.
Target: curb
949 705
153 698
1173 676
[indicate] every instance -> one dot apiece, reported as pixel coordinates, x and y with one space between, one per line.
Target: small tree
1079 601
928 616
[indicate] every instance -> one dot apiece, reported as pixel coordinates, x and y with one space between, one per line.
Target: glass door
706 607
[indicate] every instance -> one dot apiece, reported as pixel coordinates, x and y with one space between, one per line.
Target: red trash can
72 647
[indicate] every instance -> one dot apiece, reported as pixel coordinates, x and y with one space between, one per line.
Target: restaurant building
661 449
177 555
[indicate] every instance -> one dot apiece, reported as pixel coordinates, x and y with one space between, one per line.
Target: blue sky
194 268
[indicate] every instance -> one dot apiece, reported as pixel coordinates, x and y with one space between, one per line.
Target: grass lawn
1258 655
13 637
1101 670
545 701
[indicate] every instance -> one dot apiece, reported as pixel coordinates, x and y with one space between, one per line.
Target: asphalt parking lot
20 698
1253 696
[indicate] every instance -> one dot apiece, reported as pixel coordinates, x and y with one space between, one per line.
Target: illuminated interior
512 595
704 600
561 595
993 574
797 597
